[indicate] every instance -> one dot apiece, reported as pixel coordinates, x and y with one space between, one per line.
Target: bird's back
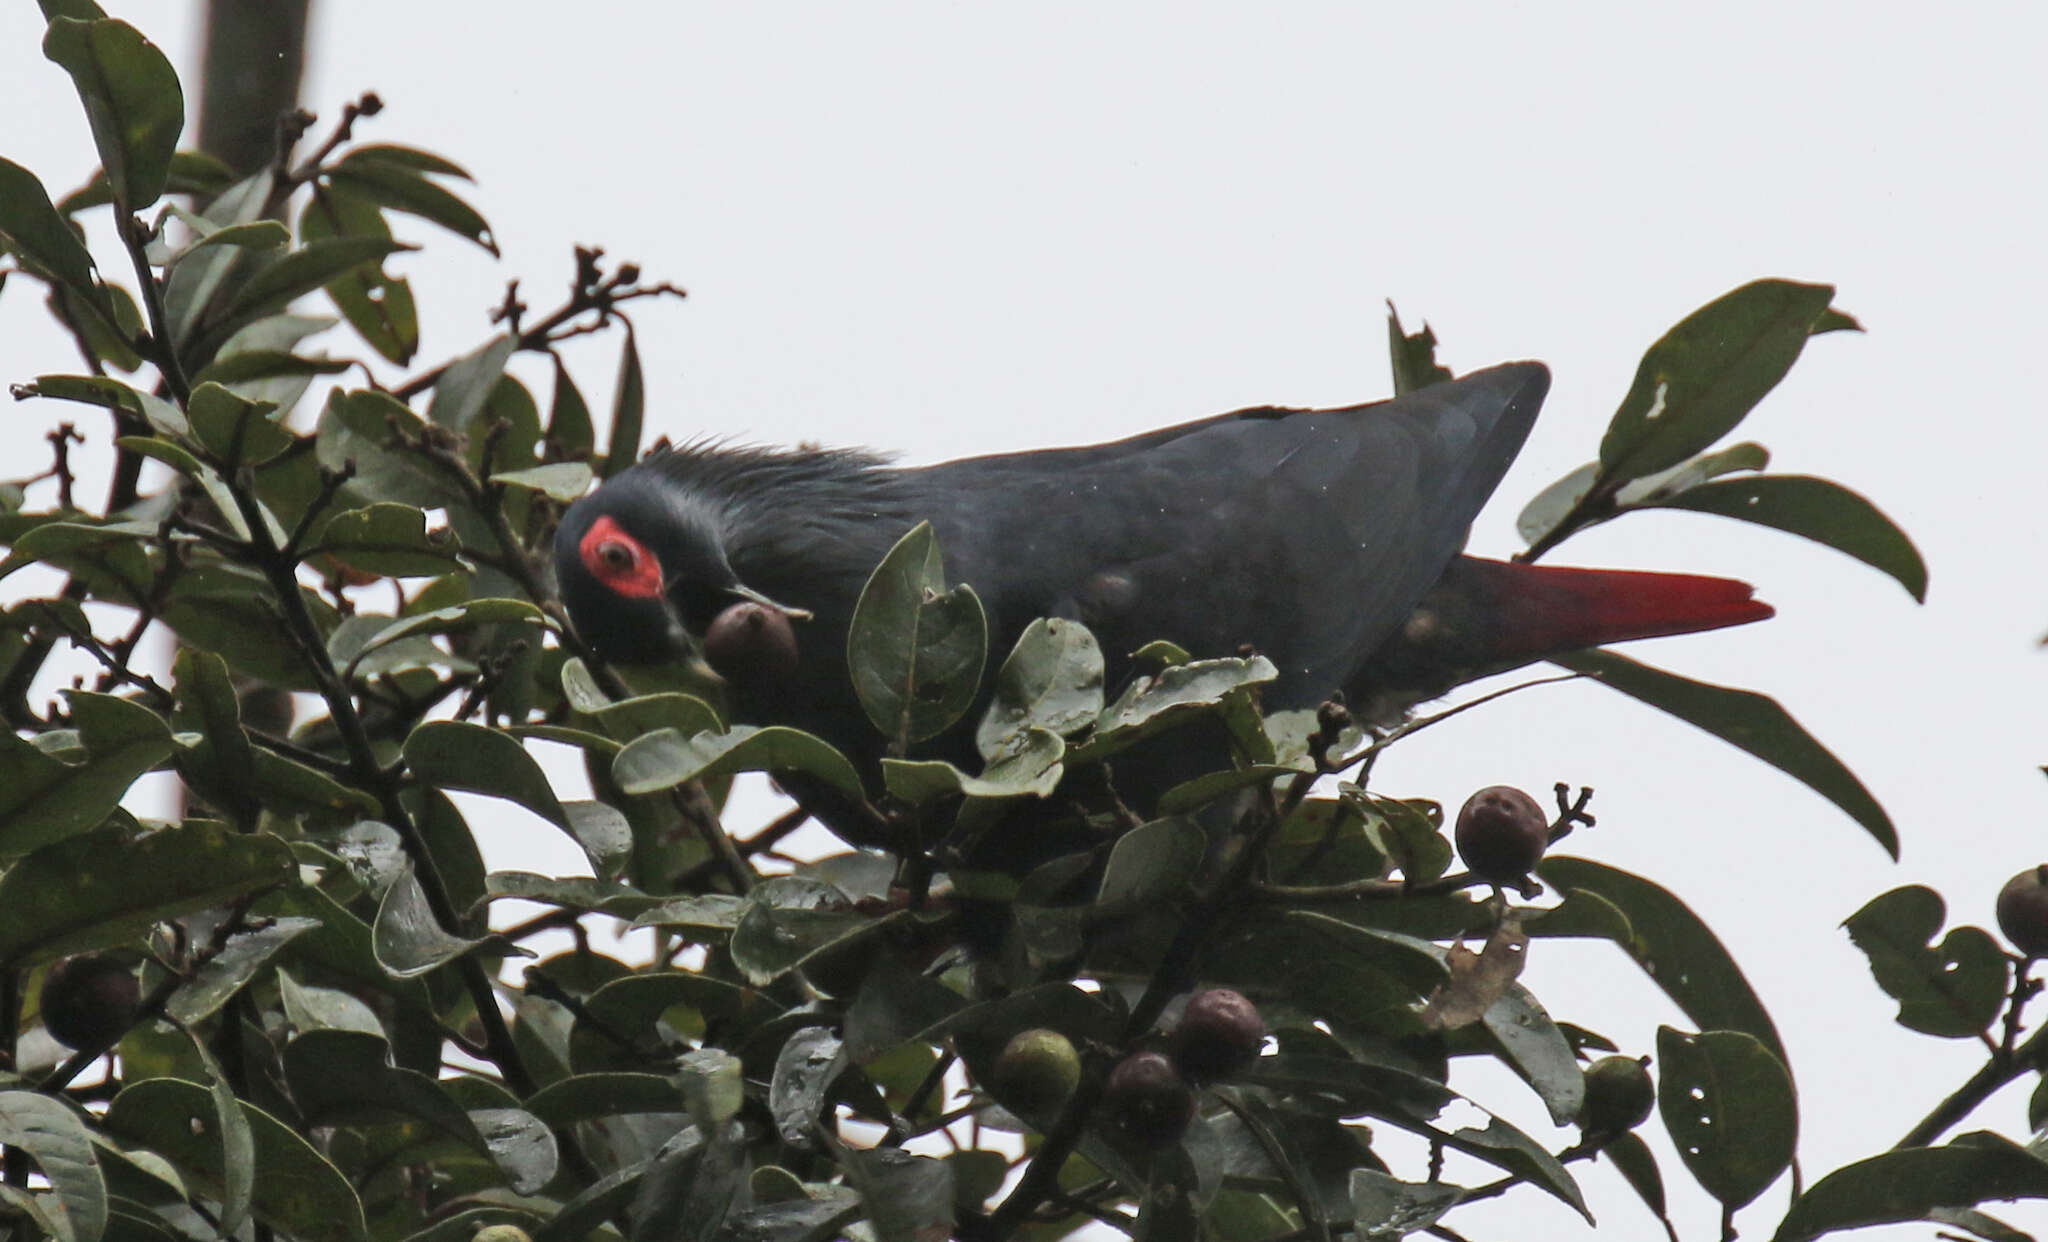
1309 534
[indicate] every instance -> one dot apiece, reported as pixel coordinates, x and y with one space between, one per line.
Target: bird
1329 541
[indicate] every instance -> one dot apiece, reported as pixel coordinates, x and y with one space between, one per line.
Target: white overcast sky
946 229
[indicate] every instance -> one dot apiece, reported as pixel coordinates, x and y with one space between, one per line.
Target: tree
315 1028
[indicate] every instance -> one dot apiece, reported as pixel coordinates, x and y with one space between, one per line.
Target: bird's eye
620 561
617 556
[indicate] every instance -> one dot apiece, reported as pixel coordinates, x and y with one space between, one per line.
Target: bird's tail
1546 609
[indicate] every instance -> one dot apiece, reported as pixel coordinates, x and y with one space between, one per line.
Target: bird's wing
1308 534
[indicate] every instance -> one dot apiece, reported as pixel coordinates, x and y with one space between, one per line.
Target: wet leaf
407 938
53 1135
1051 680
666 758
915 648
297 1190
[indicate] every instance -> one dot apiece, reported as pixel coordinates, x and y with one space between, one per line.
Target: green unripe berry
1619 1095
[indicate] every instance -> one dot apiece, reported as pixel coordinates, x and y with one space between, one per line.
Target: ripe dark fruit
2023 911
1037 1070
751 642
89 1001
1147 1101
1619 1095
1502 833
1220 1032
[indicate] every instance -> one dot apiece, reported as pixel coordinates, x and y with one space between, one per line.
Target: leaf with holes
1728 1104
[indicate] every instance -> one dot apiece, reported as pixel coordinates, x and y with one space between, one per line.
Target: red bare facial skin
620 561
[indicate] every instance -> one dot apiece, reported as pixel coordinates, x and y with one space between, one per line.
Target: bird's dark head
643 568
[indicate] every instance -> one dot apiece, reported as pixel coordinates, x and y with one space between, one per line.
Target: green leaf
377 305
463 389
109 558
454 754
1385 1207
32 229
237 1142
372 429
1404 831
252 235
1031 769
98 889
232 610
237 431
226 973
1728 1104
1955 991
407 939
1169 697
217 768
402 189
315 1009
132 100
565 481
1051 680
1747 721
1555 502
1914 1183
595 1097
389 539
787 918
1637 1165
406 157
297 1191
1673 946
1704 375
1414 1103
666 758
1153 862
629 404
569 427
1413 356
108 332
573 893
303 270
907 1198
192 172
190 297
467 615
630 718
915 649
342 1077
44 799
1816 509
209 480
112 394
239 368
53 1135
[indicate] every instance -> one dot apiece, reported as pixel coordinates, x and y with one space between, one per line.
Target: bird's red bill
620 561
